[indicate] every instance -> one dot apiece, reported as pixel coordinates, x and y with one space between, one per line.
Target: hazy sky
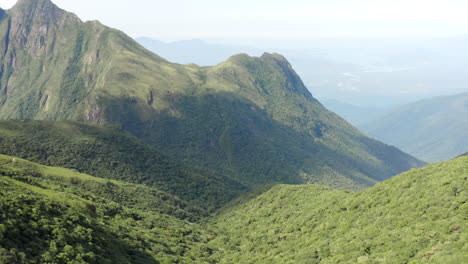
292 19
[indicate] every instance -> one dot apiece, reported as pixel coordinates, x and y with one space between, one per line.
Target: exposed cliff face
30 28
36 38
250 118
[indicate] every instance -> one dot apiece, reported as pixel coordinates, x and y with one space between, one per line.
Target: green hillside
251 119
110 153
419 216
433 129
56 215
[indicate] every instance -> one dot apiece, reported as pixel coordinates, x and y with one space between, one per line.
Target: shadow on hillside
124 252
114 154
232 136
245 198
229 141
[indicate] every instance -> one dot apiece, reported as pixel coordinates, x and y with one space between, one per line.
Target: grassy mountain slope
110 153
249 118
416 217
432 129
56 215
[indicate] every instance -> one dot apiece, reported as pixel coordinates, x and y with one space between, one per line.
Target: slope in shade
251 119
110 153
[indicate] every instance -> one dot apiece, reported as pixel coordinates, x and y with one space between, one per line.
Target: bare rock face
32 22
40 35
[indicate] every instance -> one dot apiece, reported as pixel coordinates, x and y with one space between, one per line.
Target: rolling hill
249 118
433 129
416 217
57 215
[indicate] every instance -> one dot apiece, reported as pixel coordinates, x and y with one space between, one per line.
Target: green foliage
110 153
416 217
55 215
72 91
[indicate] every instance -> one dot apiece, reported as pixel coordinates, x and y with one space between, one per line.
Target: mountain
249 118
56 215
416 217
356 115
432 129
107 152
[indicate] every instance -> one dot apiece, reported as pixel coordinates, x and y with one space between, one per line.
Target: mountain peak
33 5
30 11
274 55
32 24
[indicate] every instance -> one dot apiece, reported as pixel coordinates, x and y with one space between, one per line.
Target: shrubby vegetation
417 217
110 153
55 215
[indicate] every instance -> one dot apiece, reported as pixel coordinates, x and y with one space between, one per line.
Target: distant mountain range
194 51
250 119
356 115
433 129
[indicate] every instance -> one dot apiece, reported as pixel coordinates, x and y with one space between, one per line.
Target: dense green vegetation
110 153
417 217
56 215
251 119
432 129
